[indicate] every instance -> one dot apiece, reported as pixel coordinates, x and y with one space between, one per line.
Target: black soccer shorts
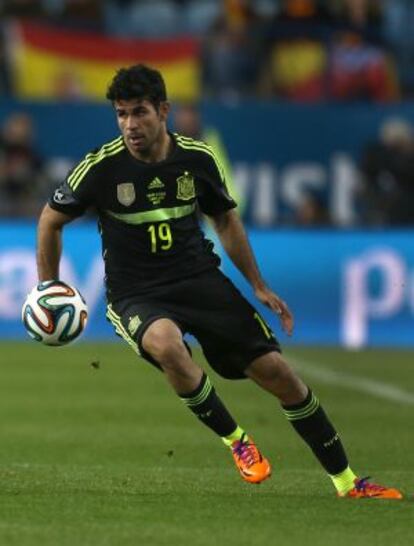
229 329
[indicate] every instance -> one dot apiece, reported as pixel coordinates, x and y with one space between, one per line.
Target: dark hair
137 82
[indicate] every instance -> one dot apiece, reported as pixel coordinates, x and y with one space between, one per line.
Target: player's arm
49 242
64 205
234 239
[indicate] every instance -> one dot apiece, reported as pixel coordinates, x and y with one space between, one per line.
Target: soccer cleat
364 489
253 467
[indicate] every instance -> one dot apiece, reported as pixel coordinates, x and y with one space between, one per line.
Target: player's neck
159 151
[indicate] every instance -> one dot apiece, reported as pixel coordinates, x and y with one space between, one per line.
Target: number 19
161 237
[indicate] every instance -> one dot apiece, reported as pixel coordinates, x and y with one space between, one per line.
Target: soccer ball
54 313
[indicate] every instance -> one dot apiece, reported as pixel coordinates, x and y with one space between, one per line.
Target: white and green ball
54 313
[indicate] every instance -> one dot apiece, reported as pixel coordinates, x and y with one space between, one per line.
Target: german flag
53 63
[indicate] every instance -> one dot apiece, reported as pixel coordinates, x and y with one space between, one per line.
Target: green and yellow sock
313 425
205 403
344 481
233 437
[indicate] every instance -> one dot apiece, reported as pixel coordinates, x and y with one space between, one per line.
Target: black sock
312 424
208 407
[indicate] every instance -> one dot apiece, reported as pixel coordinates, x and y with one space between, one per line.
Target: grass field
109 456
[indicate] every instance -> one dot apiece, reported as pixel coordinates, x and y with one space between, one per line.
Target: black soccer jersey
148 212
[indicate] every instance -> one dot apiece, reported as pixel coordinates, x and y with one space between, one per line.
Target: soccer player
163 278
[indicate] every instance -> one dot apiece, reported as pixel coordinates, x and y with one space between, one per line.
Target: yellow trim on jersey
151 216
119 328
111 148
190 144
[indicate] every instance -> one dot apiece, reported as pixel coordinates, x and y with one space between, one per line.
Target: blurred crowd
297 50
23 181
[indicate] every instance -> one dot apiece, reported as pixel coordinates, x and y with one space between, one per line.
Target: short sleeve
76 193
213 197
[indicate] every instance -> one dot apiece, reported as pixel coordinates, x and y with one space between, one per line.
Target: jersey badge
126 193
58 196
156 197
156 184
185 187
133 324
156 193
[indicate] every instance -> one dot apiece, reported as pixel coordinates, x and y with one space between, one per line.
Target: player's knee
166 350
275 374
282 371
172 355
270 367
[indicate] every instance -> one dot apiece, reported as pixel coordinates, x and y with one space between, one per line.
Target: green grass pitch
105 454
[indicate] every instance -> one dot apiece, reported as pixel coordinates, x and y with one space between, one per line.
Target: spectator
312 211
231 50
67 86
364 15
84 13
387 167
361 66
22 8
315 54
79 14
20 168
296 60
5 85
398 24
146 18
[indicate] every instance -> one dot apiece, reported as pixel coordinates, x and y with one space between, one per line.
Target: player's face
141 125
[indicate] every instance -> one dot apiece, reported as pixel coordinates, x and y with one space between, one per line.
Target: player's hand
272 300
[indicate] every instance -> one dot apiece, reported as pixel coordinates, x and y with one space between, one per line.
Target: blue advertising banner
349 288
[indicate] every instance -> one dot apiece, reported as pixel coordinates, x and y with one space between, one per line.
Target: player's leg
304 411
153 333
164 342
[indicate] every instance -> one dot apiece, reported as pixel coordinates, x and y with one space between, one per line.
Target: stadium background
340 74
95 450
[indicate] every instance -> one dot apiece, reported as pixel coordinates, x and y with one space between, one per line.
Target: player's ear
164 110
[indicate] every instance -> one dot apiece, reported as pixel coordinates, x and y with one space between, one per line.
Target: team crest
133 324
185 187
126 193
